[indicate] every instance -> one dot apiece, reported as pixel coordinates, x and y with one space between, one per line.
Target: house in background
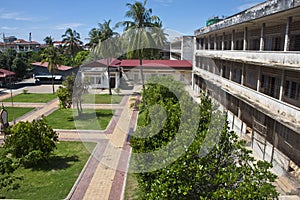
41 74
181 70
20 45
6 77
96 72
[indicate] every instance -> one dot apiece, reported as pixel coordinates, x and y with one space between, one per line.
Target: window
136 77
292 89
270 85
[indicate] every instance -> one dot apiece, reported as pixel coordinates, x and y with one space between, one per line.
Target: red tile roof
5 73
158 63
45 64
113 62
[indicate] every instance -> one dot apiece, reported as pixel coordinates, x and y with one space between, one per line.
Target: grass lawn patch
32 98
55 178
89 120
131 189
16 112
101 99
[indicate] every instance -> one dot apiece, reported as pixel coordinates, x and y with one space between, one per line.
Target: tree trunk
108 74
52 83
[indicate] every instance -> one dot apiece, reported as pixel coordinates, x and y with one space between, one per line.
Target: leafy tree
20 65
65 93
216 164
30 142
8 181
52 56
80 57
72 42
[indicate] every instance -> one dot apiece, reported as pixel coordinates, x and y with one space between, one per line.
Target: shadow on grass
87 116
56 163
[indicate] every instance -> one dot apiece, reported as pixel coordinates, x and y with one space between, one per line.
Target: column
230 71
215 42
258 79
243 74
287 34
232 40
223 41
245 39
281 85
204 43
262 37
208 43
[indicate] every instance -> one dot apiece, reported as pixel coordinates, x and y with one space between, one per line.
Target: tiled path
103 175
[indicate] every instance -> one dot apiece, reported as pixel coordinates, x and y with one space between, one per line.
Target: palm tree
94 36
48 40
52 57
73 42
105 45
137 30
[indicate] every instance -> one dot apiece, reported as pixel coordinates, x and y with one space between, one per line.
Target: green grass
89 120
101 99
16 112
131 189
32 98
55 178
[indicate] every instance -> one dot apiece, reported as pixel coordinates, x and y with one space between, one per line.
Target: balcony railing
280 59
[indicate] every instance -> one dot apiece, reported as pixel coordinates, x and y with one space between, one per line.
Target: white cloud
67 25
14 16
8 28
164 2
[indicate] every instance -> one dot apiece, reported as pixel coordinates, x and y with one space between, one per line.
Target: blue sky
52 17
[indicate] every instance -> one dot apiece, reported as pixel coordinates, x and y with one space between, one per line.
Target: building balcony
283 112
278 59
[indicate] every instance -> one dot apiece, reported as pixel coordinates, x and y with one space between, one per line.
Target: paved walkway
103 176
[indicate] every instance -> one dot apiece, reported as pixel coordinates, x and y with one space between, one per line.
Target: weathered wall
261 10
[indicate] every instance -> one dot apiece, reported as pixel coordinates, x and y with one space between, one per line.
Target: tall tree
48 40
106 46
137 30
72 42
52 57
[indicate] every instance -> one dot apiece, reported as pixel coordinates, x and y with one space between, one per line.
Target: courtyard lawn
16 112
101 99
89 120
131 189
32 98
55 178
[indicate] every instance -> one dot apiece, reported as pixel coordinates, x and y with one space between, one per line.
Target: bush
30 142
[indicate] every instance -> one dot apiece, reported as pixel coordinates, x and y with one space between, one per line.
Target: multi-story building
182 48
19 45
250 63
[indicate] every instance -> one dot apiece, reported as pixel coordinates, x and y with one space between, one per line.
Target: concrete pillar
233 40
281 85
287 34
258 79
208 43
230 71
223 41
215 42
204 43
243 74
245 47
262 37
